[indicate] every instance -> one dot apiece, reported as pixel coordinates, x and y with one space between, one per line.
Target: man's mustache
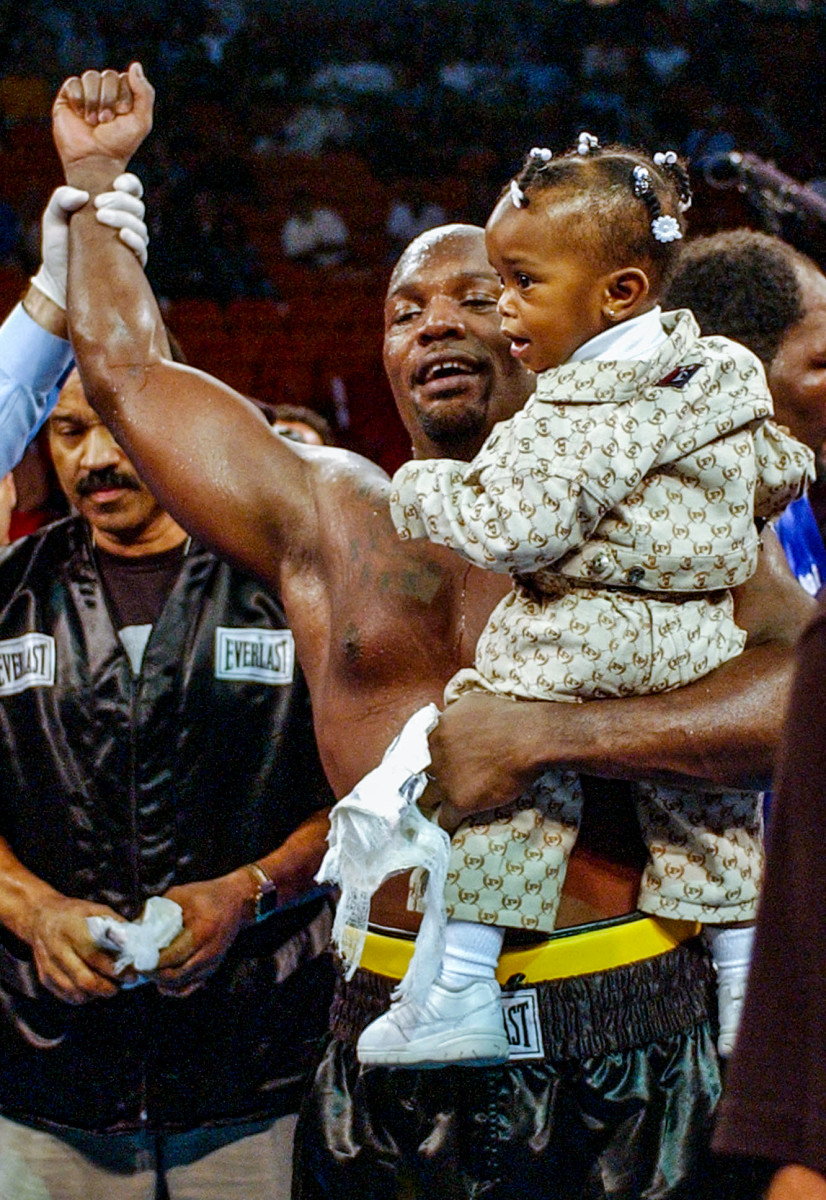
104 480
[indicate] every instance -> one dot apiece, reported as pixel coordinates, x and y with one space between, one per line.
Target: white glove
54 245
121 209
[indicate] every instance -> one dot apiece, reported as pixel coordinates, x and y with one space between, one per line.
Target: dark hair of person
615 195
742 285
297 412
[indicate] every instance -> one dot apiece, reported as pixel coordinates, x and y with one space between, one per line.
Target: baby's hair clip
517 195
541 152
669 162
640 181
586 142
666 229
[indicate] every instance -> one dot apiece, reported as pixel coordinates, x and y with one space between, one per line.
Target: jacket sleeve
784 469
32 362
537 489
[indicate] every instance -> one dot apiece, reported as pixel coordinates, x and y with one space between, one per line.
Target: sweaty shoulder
346 488
352 496
345 471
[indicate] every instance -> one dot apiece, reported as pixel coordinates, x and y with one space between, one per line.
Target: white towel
378 831
138 943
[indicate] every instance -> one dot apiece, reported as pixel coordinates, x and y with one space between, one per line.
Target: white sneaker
452 1025
730 997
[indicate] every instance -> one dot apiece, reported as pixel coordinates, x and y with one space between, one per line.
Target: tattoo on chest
395 571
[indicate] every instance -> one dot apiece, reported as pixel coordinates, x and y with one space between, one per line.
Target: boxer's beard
453 430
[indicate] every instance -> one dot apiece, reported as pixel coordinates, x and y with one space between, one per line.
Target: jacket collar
614 381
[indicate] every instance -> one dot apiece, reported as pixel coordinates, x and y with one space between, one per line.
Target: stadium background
361 102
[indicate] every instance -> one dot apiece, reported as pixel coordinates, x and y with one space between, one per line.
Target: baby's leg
731 947
706 864
460 1019
471 952
508 867
504 871
507 871
705 852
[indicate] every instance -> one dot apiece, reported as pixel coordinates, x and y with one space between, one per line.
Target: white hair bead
517 195
641 181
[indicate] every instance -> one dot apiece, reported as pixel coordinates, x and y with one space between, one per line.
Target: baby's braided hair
637 200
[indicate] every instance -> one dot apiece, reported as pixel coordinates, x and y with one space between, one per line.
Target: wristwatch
264 901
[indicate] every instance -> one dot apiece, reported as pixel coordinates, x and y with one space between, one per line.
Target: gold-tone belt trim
598 948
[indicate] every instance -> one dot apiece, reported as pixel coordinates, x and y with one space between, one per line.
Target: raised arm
34 347
206 452
724 729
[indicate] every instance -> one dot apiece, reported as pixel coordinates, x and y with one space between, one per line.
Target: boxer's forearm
723 730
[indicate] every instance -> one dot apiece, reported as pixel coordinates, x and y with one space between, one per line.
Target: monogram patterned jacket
646 474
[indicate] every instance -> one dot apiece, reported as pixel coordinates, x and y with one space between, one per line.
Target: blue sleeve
802 544
32 363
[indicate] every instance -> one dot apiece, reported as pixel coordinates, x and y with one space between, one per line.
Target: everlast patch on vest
26 662
254 655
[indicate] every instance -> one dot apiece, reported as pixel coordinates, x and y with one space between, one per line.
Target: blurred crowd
346 104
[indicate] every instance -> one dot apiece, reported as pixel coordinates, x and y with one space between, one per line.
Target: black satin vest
114 788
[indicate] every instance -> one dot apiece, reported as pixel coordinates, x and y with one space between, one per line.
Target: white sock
731 955
730 947
471 952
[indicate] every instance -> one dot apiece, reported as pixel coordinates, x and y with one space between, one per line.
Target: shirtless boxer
379 628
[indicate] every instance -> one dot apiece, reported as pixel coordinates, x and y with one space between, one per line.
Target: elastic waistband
600 947
603 1012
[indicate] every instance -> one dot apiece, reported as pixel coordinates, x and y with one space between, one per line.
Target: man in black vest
156 740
